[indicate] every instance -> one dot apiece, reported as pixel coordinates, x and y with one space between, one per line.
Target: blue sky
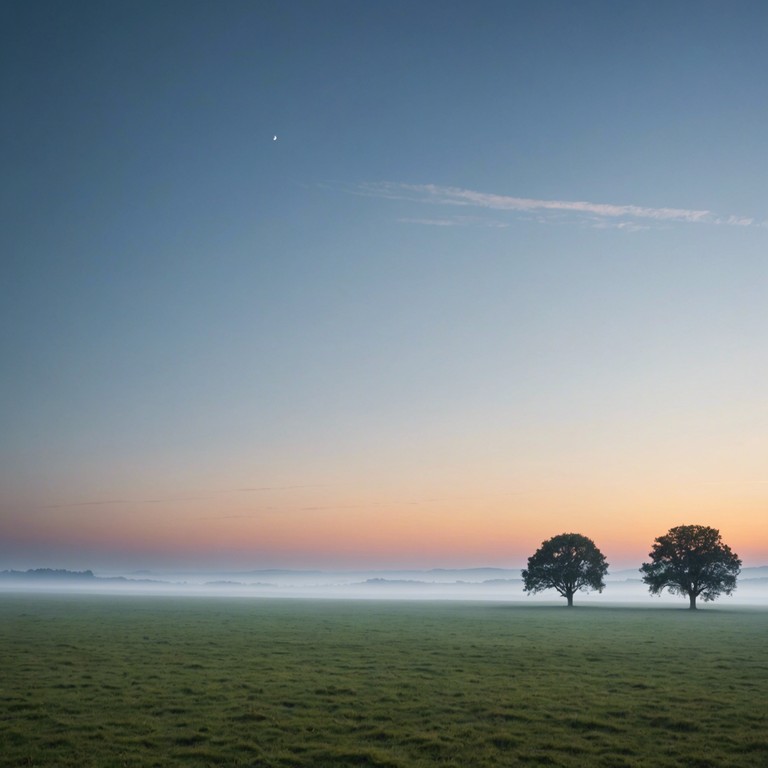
509 256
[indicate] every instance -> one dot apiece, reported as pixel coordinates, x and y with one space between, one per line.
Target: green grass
124 681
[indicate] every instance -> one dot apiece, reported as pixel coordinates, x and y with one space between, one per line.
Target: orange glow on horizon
319 526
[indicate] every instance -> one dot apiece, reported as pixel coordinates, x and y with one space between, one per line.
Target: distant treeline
62 574
47 573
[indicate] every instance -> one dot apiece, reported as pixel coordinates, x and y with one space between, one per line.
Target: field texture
95 681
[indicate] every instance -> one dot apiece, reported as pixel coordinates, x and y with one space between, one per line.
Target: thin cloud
204 496
246 516
275 488
264 510
737 221
625 216
105 503
455 221
627 226
117 502
736 482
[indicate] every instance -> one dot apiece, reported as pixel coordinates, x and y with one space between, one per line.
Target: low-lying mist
496 584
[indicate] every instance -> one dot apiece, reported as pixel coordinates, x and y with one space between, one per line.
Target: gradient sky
503 274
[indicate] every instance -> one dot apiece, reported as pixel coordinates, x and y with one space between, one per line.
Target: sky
356 284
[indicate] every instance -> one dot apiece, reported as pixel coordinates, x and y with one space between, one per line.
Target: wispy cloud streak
599 212
203 496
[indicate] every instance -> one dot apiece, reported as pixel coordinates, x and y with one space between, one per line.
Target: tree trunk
692 597
570 599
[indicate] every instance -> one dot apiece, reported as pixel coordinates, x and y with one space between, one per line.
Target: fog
477 584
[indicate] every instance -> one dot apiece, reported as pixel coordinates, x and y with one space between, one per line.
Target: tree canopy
566 563
691 560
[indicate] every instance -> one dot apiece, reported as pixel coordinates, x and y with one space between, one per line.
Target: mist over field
482 584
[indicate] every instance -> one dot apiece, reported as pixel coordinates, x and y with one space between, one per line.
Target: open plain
158 681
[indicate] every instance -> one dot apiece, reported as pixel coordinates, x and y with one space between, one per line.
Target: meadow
157 681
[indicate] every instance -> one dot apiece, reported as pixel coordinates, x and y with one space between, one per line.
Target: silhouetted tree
568 562
691 560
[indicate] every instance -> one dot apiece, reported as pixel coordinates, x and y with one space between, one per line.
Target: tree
691 560
568 562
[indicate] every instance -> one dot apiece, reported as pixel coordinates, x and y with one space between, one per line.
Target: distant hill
632 574
759 572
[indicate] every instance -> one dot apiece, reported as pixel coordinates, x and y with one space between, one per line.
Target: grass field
124 681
